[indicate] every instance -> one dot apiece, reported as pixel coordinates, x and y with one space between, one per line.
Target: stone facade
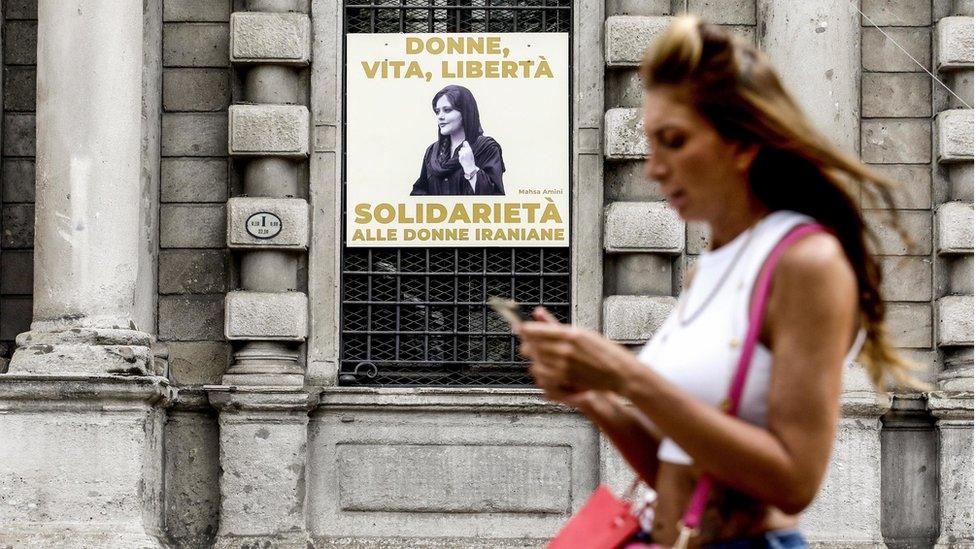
179 388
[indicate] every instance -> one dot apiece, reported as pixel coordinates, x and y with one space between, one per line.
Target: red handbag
605 522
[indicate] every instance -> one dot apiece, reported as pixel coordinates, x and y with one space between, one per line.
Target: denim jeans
775 539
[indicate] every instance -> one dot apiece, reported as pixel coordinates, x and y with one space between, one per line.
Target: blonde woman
732 149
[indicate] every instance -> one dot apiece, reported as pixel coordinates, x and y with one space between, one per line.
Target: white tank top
698 349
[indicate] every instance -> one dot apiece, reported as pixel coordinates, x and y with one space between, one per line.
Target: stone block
194 135
20 43
20 9
954 136
698 237
638 7
624 89
17 272
624 135
954 228
19 88
896 141
954 43
955 314
16 317
192 473
193 180
276 316
18 134
725 12
961 181
961 275
193 271
906 278
626 182
882 55
17 222
192 226
282 38
910 324
627 37
634 319
196 45
198 362
907 94
896 13
284 227
196 11
918 225
637 274
280 130
914 186
191 317
746 32
18 180
643 226
196 89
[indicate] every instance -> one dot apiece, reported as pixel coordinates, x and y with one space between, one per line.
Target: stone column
80 413
954 419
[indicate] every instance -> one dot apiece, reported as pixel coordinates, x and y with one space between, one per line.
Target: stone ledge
280 38
291 212
268 130
954 136
634 319
71 391
624 135
955 320
266 316
954 228
628 37
954 43
643 227
951 405
528 400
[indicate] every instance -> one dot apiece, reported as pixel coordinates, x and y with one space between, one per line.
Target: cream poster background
390 124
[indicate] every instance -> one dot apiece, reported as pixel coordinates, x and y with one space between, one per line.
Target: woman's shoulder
816 262
484 142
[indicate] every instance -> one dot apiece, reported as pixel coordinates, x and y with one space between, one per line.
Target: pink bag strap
757 309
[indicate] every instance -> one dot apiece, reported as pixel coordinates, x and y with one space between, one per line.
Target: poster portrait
458 139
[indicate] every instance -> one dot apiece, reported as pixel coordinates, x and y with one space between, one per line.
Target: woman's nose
654 168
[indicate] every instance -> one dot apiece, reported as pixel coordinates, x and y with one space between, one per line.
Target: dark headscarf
443 162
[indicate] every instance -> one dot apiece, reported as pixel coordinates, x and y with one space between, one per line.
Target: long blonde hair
734 86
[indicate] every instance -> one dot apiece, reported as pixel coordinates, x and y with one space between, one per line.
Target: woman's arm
634 436
489 175
420 186
811 318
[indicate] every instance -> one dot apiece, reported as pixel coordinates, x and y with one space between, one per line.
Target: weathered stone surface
20 9
16 272
961 181
880 54
626 182
191 317
193 180
292 213
195 10
954 43
910 324
624 135
698 237
955 313
196 89
914 191
896 141
20 43
18 180
194 135
643 226
19 88
627 37
196 45
278 316
270 38
637 274
198 362
907 94
634 319
896 13
192 475
18 134
16 317
638 7
954 228
954 136
18 226
906 278
192 226
193 271
725 12
624 89
961 275
954 413
917 224
268 130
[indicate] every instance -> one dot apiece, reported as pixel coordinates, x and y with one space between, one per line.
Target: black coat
440 177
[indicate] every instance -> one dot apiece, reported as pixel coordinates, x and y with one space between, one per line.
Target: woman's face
700 173
448 119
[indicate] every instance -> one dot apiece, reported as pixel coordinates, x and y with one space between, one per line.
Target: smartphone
507 309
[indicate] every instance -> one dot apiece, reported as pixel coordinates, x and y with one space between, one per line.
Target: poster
457 140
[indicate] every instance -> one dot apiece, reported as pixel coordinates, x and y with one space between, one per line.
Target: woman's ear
745 155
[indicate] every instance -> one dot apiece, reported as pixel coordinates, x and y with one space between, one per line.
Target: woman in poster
463 160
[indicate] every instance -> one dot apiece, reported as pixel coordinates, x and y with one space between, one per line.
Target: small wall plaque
263 225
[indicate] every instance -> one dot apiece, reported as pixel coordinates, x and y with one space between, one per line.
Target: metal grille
417 316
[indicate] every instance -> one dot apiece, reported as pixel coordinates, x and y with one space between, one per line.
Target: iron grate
417 316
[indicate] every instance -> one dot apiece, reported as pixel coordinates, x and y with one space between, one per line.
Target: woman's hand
567 360
466 158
